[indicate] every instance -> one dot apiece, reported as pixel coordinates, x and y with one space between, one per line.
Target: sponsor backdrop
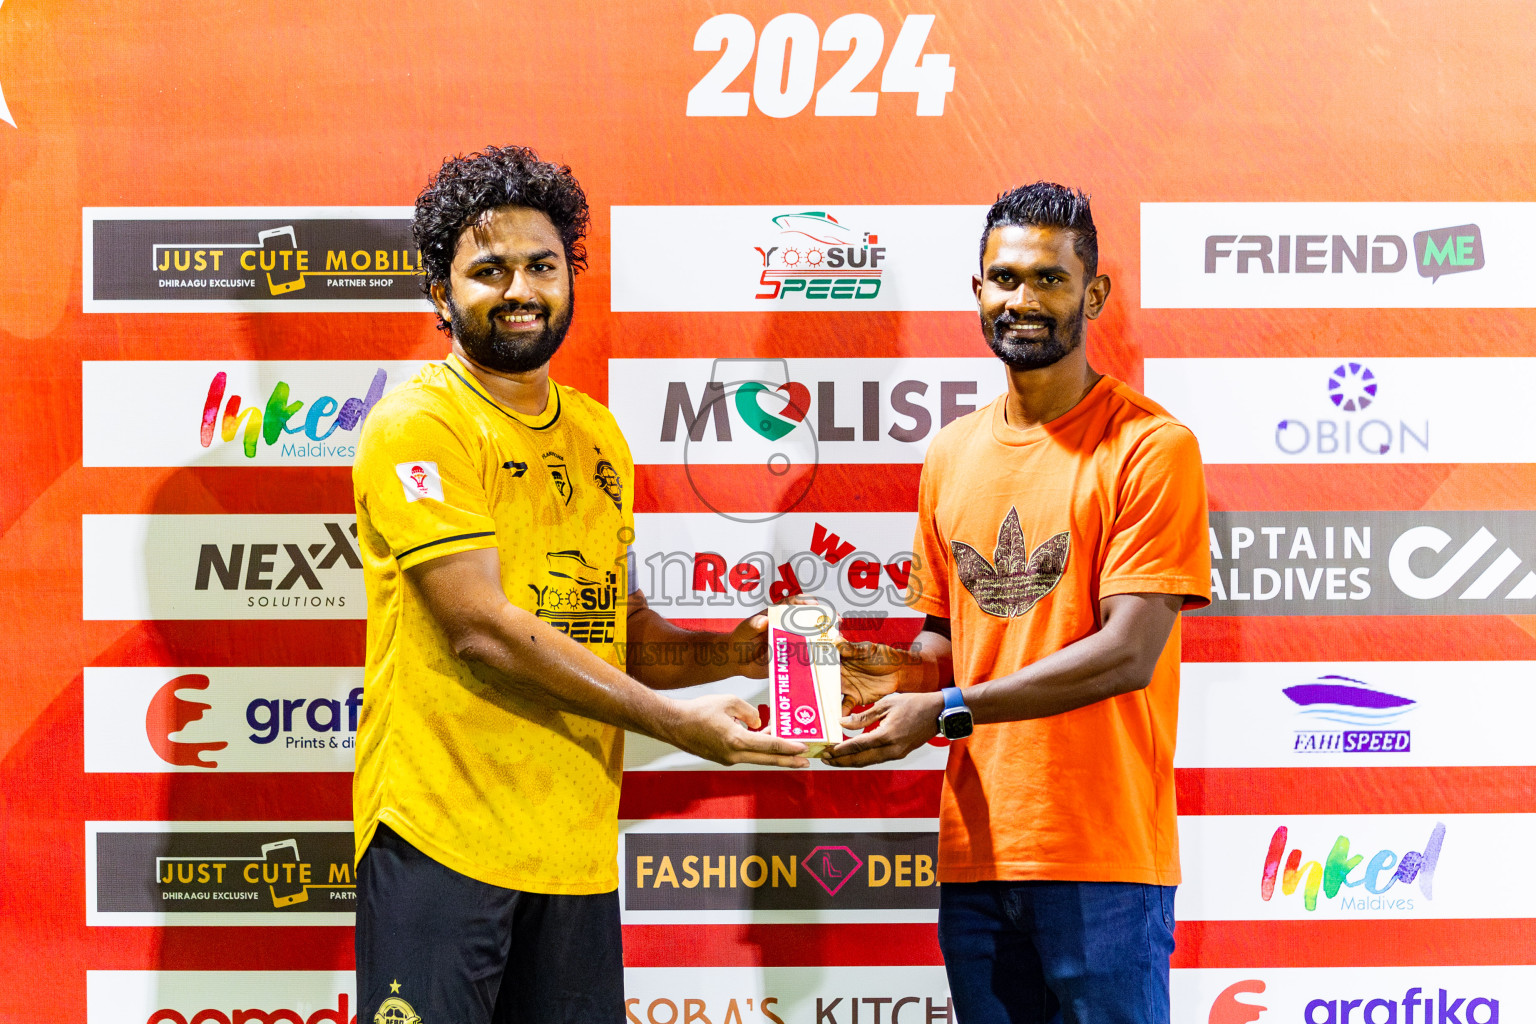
1319 223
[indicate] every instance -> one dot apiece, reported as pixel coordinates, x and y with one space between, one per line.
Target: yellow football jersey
499 788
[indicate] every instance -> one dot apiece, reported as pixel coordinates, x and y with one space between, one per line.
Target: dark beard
493 350
1062 338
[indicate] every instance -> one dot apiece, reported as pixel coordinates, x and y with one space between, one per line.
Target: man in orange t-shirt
1060 531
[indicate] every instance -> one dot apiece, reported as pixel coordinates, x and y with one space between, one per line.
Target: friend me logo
1436 252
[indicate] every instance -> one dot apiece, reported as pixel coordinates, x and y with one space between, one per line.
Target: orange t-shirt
1021 532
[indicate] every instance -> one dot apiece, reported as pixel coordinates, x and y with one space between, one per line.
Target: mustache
507 309
1004 321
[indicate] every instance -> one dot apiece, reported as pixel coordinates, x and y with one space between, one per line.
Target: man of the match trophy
805 697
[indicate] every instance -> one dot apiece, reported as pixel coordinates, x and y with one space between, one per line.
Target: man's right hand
719 729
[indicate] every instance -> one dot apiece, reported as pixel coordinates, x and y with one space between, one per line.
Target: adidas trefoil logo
1014 580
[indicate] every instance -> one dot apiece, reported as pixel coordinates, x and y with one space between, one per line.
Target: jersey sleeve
929 581
421 487
1160 540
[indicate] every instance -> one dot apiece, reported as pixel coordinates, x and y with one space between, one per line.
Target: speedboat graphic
816 225
1347 701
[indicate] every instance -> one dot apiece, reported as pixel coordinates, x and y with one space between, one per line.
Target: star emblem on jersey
1015 579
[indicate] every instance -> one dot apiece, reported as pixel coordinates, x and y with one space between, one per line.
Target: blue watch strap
953 698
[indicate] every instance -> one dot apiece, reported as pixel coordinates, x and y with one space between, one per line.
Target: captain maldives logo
812 255
315 420
1333 875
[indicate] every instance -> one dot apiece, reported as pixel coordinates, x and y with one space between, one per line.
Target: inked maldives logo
1331 876
279 418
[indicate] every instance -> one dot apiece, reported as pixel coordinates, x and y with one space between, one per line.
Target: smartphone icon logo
287 890
280 279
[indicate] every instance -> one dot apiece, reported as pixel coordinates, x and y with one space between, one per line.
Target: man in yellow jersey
495 510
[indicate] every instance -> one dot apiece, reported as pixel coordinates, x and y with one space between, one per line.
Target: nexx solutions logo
153 720
1335 255
221 567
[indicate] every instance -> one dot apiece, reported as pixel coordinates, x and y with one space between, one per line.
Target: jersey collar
543 421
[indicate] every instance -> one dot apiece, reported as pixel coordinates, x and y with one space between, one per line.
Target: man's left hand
907 721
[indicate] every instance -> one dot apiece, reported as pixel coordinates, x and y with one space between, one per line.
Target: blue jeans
1057 952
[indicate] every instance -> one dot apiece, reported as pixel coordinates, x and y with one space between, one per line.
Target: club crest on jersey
607 478
420 480
394 1010
559 475
1014 580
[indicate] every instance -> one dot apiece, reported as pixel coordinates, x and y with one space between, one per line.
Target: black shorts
443 948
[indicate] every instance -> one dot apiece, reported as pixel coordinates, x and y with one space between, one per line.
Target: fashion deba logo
247 413
1372 563
1350 410
215 259
690 872
220 997
1334 255
791 413
155 720
221 567
1370 882
219 873
809 257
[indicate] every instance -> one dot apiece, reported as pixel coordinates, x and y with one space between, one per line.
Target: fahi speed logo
157 720
814 257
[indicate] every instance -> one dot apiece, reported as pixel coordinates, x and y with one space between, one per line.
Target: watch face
955 723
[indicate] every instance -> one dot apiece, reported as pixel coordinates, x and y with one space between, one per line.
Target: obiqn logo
169 714
1227 1009
1444 251
815 256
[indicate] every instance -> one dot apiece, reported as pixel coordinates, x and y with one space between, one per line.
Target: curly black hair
466 187
1047 205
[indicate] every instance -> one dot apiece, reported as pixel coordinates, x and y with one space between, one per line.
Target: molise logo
692 872
814 256
236 413
737 412
1333 255
1360 709
221 567
1339 871
148 259
152 720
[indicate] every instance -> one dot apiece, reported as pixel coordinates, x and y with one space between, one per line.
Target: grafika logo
279 419
1340 871
815 256
1436 252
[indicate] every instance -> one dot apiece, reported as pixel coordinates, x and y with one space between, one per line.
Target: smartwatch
955 719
